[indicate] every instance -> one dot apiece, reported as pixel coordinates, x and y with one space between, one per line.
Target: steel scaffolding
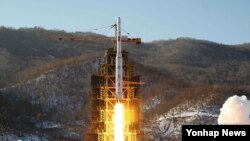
104 99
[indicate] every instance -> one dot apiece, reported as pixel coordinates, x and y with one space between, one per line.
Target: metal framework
104 99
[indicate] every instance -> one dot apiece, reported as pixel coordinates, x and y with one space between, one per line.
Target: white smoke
236 110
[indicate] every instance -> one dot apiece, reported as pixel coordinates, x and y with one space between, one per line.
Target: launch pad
104 100
105 97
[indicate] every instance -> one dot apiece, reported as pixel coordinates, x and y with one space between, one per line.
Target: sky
222 21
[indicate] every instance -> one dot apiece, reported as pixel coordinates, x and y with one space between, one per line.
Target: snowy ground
168 125
12 137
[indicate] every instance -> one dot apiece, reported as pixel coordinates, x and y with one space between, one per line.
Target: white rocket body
119 64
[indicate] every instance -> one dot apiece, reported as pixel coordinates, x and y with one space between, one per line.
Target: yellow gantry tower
105 96
104 100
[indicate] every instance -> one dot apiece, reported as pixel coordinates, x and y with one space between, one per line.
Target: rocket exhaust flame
119 122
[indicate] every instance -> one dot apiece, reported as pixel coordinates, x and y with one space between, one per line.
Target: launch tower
105 95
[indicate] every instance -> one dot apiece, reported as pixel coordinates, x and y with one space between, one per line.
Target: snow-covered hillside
167 126
56 100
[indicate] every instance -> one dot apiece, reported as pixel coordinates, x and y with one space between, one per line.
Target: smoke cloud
236 110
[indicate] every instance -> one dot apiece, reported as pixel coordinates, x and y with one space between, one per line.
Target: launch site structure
115 82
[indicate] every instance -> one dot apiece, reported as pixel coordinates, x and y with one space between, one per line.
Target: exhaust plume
236 110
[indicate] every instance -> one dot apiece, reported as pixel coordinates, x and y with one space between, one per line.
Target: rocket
118 62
